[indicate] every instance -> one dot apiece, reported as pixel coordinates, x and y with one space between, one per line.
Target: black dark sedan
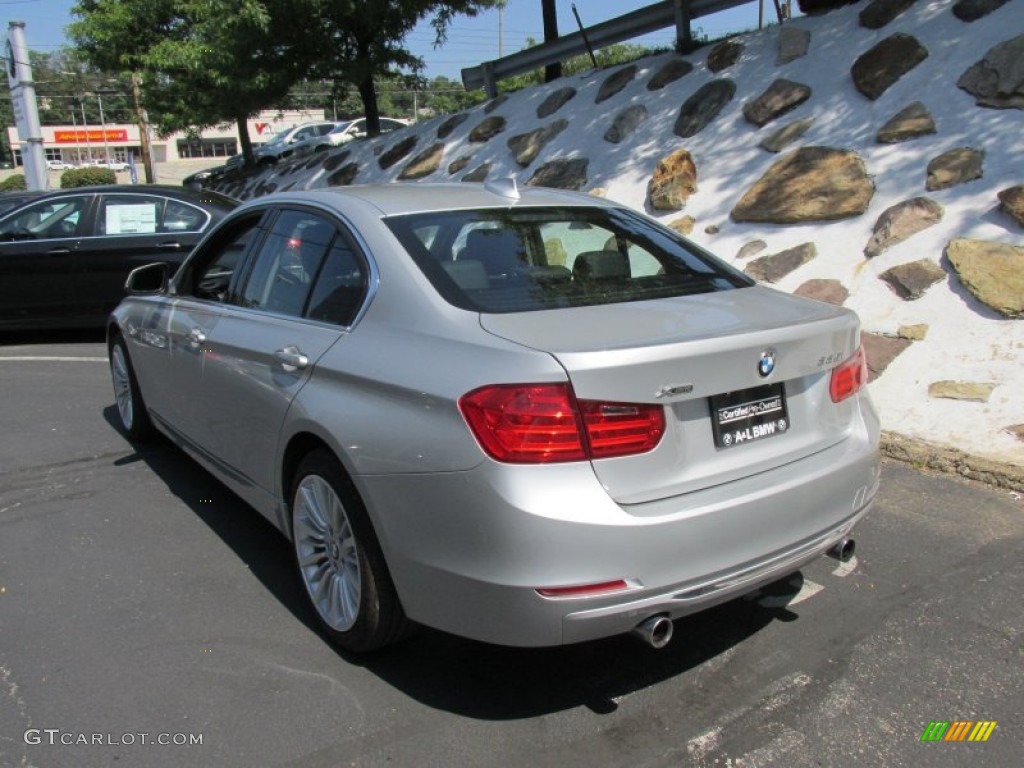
65 255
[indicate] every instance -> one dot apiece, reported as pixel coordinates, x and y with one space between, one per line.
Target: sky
470 40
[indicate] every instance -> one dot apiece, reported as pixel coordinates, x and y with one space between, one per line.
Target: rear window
527 259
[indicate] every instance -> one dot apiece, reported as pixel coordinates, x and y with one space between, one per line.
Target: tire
131 409
339 559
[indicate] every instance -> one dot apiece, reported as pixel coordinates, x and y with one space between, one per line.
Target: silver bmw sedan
525 416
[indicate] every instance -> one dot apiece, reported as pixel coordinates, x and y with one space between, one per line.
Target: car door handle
173 245
291 358
196 337
58 251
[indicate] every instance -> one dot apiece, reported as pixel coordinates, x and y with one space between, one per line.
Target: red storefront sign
89 136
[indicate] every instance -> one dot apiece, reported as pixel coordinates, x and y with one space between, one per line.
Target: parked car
283 144
58 165
114 165
345 132
11 200
64 255
202 178
530 418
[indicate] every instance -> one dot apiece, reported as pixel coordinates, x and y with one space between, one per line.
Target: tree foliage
202 61
363 40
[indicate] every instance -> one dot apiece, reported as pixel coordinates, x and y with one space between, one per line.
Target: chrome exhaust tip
656 631
843 551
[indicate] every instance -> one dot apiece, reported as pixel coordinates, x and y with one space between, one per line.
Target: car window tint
129 214
287 263
209 273
49 219
182 217
340 287
529 259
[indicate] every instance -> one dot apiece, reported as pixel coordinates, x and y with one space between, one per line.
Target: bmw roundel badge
766 364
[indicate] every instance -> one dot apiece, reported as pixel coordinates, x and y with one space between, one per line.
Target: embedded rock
703 107
554 102
997 80
875 71
993 272
526 146
479 173
561 174
971 391
829 291
683 225
779 98
343 176
457 165
808 184
972 10
910 281
956 166
494 103
625 123
674 180
786 135
881 12
487 129
793 43
396 153
335 159
900 221
751 247
1011 202
1017 430
724 55
915 332
615 83
771 269
712 229
669 73
880 351
444 130
424 164
910 122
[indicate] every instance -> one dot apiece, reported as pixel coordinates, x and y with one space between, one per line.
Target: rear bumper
468 550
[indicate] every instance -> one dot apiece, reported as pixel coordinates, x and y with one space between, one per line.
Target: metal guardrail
651 18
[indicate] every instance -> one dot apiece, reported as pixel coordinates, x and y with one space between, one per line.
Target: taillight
849 377
545 423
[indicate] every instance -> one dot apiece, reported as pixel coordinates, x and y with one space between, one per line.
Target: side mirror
147 280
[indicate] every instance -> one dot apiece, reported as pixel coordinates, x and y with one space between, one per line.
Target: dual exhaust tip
656 631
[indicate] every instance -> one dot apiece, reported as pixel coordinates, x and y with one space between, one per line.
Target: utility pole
143 121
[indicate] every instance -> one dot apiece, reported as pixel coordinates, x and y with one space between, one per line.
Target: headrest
600 265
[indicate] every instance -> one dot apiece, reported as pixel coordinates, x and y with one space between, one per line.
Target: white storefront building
79 144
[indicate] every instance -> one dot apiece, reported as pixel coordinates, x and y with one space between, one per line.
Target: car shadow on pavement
453 674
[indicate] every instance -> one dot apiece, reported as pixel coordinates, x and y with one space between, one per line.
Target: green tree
200 62
360 41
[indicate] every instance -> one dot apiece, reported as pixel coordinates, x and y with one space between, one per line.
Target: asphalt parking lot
148 618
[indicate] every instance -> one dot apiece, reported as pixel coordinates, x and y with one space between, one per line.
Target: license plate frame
749 415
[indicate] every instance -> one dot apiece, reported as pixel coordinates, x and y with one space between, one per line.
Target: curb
944 458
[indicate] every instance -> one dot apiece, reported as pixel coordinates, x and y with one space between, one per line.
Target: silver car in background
528 417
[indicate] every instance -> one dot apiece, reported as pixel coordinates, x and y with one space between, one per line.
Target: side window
182 217
210 272
46 220
341 286
287 263
129 214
